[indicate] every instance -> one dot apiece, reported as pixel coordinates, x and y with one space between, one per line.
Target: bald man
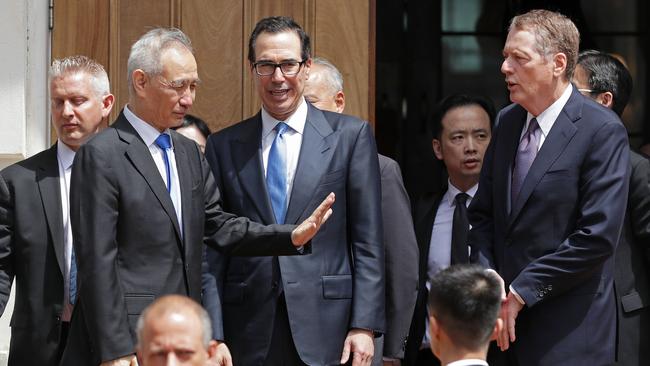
324 89
175 330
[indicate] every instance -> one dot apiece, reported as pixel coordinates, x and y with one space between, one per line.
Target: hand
221 357
308 228
129 360
510 308
359 342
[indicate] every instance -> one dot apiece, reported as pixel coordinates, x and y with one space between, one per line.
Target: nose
67 109
187 99
277 75
505 67
470 147
172 360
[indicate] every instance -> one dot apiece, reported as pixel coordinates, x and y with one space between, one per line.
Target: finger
357 359
325 205
511 328
345 356
328 213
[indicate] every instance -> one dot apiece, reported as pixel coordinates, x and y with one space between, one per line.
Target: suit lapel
426 217
49 186
316 153
558 138
139 155
247 157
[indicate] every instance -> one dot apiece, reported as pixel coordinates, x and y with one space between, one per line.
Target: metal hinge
51 17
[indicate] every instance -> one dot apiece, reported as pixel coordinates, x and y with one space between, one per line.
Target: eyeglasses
180 85
288 68
589 91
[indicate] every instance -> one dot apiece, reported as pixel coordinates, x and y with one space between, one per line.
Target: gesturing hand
359 342
308 228
510 308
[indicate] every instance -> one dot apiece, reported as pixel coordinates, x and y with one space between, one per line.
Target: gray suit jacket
340 285
31 251
128 241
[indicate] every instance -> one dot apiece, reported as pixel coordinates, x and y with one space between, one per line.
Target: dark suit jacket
401 257
555 243
31 250
341 284
127 238
424 217
631 281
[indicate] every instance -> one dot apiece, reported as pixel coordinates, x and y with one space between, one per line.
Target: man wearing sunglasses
323 308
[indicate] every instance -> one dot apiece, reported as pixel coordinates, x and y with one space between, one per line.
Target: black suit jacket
555 243
401 258
127 238
341 284
424 216
631 276
31 250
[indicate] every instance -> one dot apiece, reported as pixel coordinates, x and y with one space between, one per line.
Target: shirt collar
469 361
550 114
65 154
296 121
452 191
147 132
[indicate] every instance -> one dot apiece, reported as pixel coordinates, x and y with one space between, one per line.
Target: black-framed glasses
288 68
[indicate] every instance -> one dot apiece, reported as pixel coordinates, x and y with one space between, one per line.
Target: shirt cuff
521 301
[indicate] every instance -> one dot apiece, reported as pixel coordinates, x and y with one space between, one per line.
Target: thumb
345 356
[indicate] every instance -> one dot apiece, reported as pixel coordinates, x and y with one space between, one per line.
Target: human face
193 133
530 76
281 94
77 111
317 92
173 339
463 140
166 98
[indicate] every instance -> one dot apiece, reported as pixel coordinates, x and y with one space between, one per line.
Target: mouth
472 163
279 93
510 84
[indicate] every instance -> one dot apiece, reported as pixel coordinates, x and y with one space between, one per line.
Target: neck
449 354
464 184
141 112
545 101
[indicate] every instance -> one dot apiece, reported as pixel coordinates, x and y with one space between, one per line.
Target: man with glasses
144 201
273 168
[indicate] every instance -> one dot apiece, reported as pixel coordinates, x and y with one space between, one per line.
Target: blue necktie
73 278
276 173
164 142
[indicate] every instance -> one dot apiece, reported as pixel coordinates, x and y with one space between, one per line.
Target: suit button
58 318
187 266
274 286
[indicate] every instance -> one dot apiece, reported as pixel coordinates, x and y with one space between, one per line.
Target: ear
606 99
307 67
212 349
339 99
107 104
437 149
139 79
559 64
498 327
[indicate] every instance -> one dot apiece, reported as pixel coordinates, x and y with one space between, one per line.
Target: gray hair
176 304
80 63
146 51
332 76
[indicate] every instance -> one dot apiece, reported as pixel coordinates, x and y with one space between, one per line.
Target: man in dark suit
551 200
461 129
463 307
35 230
143 202
273 168
324 90
605 79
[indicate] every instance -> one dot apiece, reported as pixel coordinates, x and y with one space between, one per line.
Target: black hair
455 101
605 73
200 124
465 300
277 25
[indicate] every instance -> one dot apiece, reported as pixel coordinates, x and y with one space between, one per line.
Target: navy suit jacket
31 250
340 285
128 242
555 243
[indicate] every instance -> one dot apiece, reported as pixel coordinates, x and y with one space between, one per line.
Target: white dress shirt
293 138
440 245
547 118
65 157
468 362
149 134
